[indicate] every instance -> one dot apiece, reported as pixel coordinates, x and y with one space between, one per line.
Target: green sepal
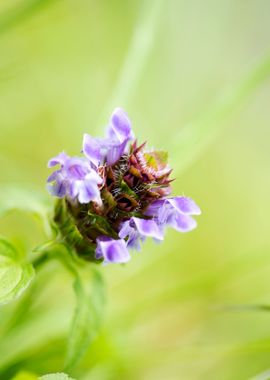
98 225
125 189
69 232
108 200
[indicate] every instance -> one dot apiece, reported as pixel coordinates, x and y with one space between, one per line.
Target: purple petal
94 177
134 237
160 210
134 241
77 168
124 230
115 152
120 127
185 205
147 227
87 191
182 222
58 189
113 251
92 148
61 159
74 188
154 207
53 176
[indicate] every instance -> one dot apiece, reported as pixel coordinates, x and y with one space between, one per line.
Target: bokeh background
194 79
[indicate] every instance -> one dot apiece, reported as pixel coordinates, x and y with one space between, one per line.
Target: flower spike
116 195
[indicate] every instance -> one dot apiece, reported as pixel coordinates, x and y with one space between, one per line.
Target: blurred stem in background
20 12
194 137
140 47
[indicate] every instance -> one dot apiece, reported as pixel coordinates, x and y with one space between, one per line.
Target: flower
116 195
75 178
175 212
137 229
111 250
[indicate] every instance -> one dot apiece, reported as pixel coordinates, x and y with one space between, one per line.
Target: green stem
40 260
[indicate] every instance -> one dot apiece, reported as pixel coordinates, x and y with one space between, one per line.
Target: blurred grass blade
19 12
87 317
262 376
136 58
243 308
195 136
15 276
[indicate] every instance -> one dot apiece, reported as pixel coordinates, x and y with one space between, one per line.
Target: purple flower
137 229
111 250
175 212
120 127
110 149
116 195
75 179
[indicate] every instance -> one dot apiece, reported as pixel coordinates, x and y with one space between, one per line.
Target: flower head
116 195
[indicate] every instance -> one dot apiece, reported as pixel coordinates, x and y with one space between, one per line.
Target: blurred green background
194 78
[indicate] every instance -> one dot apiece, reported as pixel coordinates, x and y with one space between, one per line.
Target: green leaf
56 376
26 200
87 317
15 276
